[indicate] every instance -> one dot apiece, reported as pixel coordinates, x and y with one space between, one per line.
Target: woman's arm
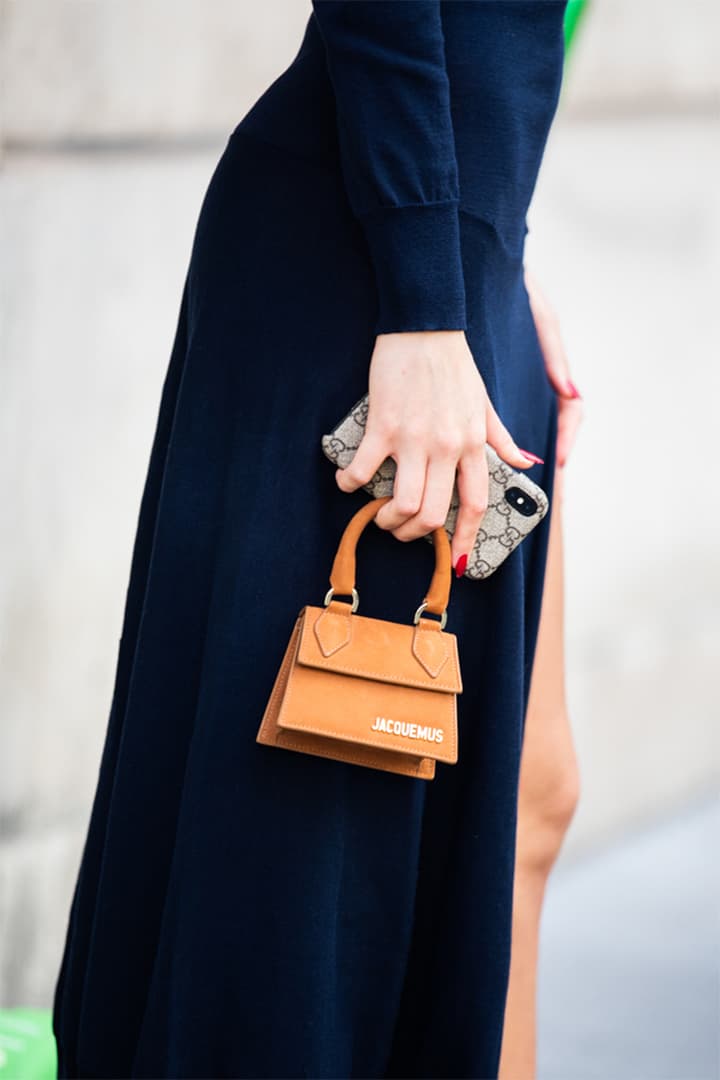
386 61
428 406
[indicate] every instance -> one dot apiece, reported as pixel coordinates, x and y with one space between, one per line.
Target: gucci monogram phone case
515 503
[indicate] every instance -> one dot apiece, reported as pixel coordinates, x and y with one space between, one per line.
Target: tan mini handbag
369 691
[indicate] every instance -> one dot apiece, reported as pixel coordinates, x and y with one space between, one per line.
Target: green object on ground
573 14
27 1045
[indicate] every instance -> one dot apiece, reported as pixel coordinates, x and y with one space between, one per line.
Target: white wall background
87 69
112 115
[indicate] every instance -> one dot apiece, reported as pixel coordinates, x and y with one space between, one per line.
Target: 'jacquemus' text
410 731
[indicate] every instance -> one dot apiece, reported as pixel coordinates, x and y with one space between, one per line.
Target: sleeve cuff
416 255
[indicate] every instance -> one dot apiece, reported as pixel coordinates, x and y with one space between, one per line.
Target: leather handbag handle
342 575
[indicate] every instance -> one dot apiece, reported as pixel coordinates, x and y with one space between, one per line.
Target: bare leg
547 799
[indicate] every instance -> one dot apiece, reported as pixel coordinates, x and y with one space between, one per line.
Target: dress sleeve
386 62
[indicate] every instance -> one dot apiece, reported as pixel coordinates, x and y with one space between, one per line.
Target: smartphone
515 503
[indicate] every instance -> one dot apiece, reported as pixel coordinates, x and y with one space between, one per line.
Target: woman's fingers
570 416
435 502
367 459
505 446
422 492
552 346
554 355
408 487
472 483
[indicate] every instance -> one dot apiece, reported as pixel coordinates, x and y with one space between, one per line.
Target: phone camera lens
521 501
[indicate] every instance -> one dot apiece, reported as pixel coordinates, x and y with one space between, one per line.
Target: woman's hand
570 408
430 411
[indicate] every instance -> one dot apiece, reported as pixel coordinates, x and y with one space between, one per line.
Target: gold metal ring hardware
355 598
416 616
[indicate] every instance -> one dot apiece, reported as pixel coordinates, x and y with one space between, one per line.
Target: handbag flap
408 655
340 749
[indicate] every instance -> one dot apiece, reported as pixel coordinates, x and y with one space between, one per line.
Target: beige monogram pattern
502 527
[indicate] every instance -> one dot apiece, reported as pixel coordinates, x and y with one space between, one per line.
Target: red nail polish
460 565
573 389
532 457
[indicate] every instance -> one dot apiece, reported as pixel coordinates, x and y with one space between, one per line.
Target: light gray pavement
630 962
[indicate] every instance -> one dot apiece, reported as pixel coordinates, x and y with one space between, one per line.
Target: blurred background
112 116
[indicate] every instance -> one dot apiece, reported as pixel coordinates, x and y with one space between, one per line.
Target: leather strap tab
333 629
430 647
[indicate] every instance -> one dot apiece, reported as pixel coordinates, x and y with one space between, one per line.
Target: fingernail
574 392
531 457
460 565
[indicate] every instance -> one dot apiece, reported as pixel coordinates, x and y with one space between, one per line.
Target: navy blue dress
244 911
